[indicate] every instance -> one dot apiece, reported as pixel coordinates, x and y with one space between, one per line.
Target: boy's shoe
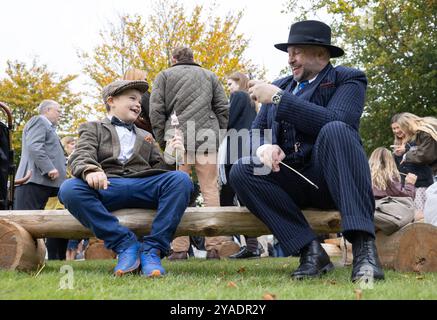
128 260
151 263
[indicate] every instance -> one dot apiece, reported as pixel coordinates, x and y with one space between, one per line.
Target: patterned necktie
117 122
300 86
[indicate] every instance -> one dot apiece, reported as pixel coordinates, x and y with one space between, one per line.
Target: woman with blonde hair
386 179
143 120
422 134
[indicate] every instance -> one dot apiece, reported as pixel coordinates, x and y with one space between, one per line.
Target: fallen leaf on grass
269 296
241 270
285 266
358 294
231 284
332 282
421 277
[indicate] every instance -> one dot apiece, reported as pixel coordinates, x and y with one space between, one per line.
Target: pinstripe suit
318 132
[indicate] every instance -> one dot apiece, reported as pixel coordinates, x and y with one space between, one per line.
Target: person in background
386 179
42 154
242 112
197 98
143 120
415 151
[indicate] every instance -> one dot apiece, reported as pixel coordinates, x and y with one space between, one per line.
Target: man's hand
262 92
97 180
53 174
271 156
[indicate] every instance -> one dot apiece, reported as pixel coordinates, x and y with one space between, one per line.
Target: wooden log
210 221
18 250
413 248
96 251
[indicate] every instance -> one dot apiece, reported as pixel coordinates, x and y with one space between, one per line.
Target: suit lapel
309 91
139 141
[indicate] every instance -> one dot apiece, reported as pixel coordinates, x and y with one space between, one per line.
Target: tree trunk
18 250
206 221
413 248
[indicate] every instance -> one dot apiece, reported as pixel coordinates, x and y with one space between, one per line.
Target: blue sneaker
128 260
151 263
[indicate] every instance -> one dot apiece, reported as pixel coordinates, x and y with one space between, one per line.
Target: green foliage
26 86
146 43
395 42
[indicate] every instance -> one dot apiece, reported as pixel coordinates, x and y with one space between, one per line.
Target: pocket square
327 85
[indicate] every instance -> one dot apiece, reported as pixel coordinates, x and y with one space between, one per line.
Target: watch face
276 98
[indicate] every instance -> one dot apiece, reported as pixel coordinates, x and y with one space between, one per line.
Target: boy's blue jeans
169 193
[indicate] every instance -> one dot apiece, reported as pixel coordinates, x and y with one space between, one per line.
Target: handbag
392 213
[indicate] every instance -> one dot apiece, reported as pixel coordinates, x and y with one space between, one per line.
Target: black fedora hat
311 32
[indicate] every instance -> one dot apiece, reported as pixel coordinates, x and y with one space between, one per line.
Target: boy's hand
176 143
97 180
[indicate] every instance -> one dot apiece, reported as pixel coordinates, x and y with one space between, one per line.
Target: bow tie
117 122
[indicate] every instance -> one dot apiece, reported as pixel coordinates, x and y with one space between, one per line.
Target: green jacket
196 95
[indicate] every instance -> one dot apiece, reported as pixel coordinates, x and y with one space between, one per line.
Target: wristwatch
276 98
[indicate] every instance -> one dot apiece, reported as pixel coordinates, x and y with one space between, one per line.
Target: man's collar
48 121
186 63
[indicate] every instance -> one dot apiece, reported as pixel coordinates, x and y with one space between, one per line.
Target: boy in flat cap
116 165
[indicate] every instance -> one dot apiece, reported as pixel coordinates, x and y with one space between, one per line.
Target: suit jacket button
211 117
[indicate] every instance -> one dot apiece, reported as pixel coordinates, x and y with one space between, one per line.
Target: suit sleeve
157 109
35 141
220 105
84 158
346 105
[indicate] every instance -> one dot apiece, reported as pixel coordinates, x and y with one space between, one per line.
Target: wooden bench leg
18 250
411 249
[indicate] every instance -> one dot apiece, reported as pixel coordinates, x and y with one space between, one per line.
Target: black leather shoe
244 253
366 265
314 261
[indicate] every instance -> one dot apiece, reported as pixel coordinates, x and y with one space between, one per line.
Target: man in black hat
314 117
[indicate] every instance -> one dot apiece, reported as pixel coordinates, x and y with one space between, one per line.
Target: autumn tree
395 42
147 44
26 86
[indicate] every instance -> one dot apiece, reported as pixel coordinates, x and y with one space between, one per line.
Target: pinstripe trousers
338 167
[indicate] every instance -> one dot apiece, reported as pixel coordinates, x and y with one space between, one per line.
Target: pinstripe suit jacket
337 94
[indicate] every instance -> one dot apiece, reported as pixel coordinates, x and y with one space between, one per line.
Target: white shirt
127 142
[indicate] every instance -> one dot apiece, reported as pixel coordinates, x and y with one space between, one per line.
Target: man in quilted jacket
197 98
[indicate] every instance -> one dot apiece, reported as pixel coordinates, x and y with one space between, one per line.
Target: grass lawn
202 279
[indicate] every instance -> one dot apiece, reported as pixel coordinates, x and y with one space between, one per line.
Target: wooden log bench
412 248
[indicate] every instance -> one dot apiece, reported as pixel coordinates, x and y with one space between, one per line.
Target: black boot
244 253
366 264
314 261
